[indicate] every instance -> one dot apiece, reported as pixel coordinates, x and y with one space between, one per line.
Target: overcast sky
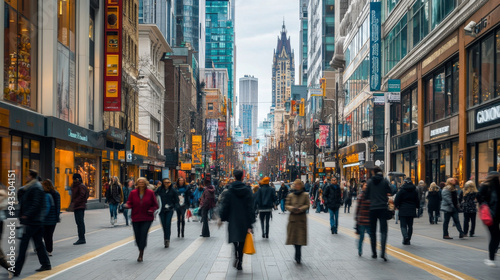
258 25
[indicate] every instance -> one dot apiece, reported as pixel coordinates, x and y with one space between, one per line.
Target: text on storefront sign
439 131
77 135
488 116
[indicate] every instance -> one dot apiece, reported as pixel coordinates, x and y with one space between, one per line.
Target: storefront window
406 164
473 75
439 96
66 60
455 160
485 159
414 109
498 155
445 162
5 153
487 69
454 97
441 92
406 108
472 162
20 52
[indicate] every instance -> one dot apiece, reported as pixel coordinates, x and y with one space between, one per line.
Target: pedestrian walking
450 208
347 199
185 196
362 216
433 203
315 196
378 193
468 200
421 189
79 196
489 194
126 189
114 196
264 201
31 212
307 187
207 203
407 202
168 201
143 204
4 199
152 185
297 203
333 201
237 209
158 184
53 198
283 193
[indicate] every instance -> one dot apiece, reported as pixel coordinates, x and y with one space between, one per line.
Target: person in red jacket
143 203
79 196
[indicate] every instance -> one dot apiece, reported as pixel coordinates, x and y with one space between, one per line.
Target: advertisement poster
197 148
324 135
222 132
113 55
212 126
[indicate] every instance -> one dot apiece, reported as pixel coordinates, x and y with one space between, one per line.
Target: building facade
249 105
190 26
161 13
303 42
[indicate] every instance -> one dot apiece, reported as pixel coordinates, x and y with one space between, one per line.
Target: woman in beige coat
297 203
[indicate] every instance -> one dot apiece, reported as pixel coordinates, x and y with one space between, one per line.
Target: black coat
407 201
265 197
332 196
283 192
377 191
32 200
434 201
170 197
237 209
53 216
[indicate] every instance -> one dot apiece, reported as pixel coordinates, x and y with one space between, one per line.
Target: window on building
420 20
396 44
210 106
414 108
440 9
441 92
404 115
390 5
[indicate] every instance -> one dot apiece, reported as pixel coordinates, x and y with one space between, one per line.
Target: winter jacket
296 232
237 210
489 194
468 202
283 192
447 204
347 196
363 210
377 191
126 192
78 195
307 188
208 198
114 194
407 201
185 196
265 197
32 204
142 209
53 215
332 196
314 191
197 196
169 198
434 201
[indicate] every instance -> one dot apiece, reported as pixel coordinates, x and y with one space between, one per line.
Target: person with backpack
79 196
53 212
114 196
264 201
333 201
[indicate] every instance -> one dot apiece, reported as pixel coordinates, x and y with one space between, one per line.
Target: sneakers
489 263
79 242
50 254
112 222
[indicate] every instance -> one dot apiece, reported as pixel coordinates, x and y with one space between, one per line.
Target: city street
111 253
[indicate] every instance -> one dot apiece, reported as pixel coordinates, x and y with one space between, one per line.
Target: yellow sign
196 156
112 65
185 166
140 146
302 107
111 88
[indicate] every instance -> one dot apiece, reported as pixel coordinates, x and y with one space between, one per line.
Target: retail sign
487 116
375 45
440 129
378 98
186 166
113 55
324 135
197 147
77 135
394 88
129 156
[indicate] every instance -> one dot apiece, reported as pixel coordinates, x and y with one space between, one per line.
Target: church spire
283 27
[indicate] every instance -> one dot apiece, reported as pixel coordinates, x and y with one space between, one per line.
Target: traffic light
302 107
322 83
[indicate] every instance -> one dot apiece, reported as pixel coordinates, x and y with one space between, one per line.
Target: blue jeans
334 219
166 223
126 215
318 207
362 230
283 205
113 210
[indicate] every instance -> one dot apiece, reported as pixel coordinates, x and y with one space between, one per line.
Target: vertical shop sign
324 135
222 132
196 155
394 95
113 55
375 47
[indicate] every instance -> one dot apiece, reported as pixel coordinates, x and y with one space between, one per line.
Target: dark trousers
205 231
181 220
266 216
494 239
35 232
298 252
48 237
141 230
433 216
406 227
166 223
447 217
347 206
80 223
238 250
469 217
378 214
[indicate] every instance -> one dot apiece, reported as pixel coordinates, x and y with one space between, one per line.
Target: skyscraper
220 39
283 78
303 43
161 13
249 108
190 26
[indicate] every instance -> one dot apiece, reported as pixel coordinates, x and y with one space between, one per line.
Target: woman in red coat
143 203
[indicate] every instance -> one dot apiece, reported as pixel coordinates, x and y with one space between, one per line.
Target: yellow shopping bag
248 248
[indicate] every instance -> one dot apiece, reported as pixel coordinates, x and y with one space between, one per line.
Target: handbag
120 208
389 212
485 214
249 248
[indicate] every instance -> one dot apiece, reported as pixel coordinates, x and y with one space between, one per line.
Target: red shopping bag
188 214
485 214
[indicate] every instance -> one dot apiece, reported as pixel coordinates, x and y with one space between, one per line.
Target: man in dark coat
407 201
264 200
333 200
79 196
237 209
283 193
32 203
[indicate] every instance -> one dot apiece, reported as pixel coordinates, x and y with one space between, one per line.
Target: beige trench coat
297 222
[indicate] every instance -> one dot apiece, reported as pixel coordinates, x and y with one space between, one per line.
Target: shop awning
352 149
351 164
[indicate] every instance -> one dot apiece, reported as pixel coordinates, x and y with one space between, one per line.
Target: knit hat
265 181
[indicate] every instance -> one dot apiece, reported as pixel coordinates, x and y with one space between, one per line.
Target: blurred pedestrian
450 208
347 199
307 187
283 193
126 189
151 185
489 194
158 184
378 193
237 209
362 216
143 204
333 201
407 202
433 203
468 200
185 196
168 201
421 189
207 203
79 196
31 213
264 200
53 214
297 203
114 196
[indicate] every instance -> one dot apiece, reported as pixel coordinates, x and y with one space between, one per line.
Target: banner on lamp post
375 46
197 147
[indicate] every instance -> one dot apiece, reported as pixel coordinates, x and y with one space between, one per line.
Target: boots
141 254
167 243
179 229
182 229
